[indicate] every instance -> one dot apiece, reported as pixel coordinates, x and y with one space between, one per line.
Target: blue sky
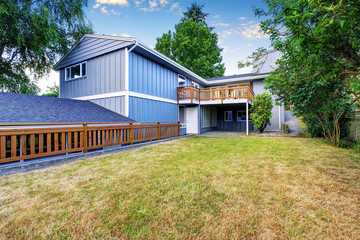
234 22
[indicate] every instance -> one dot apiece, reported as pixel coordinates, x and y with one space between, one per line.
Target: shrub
261 111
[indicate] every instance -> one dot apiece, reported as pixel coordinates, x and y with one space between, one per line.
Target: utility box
285 128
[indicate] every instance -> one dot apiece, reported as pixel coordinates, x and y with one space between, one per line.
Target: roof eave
241 79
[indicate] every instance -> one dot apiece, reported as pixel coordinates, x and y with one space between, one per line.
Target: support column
247 118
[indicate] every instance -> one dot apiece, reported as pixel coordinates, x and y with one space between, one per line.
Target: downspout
127 97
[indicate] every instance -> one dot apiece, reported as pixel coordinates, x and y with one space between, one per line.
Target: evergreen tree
193 44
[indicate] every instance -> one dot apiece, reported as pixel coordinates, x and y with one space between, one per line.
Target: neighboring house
129 78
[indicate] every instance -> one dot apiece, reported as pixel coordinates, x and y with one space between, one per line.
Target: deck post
247 117
192 93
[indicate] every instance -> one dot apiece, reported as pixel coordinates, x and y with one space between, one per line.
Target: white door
192 120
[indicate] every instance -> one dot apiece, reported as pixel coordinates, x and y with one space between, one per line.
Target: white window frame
237 112
181 79
229 120
205 123
81 65
195 84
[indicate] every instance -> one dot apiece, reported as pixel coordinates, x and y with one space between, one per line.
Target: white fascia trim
127 94
241 79
126 39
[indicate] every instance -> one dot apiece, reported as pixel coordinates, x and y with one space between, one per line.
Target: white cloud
153 4
217 16
249 44
222 24
225 49
253 32
113 2
175 6
229 32
242 18
103 10
96 5
145 9
113 12
138 3
125 35
164 2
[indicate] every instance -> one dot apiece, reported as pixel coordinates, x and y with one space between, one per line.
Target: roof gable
91 46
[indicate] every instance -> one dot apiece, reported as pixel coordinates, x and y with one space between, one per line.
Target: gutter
251 78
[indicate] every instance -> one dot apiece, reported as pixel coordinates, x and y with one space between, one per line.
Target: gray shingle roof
21 108
235 76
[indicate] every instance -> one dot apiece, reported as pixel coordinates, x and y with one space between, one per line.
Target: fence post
158 131
85 140
178 128
131 133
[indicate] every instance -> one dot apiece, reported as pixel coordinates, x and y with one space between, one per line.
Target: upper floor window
181 80
195 84
76 71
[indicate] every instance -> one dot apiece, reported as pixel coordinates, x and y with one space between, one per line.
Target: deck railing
215 93
188 92
21 142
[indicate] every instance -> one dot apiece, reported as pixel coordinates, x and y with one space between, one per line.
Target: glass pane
75 71
230 116
67 74
83 69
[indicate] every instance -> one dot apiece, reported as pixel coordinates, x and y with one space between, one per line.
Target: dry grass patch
206 188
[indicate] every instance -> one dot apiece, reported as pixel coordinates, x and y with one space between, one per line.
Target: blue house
129 78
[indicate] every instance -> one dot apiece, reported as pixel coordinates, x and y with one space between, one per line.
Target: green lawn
204 188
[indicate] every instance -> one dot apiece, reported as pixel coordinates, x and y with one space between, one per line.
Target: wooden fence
21 142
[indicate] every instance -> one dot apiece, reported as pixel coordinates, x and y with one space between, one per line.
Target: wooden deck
215 95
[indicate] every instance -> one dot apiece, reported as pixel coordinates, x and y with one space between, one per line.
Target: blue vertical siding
150 78
146 110
234 125
104 75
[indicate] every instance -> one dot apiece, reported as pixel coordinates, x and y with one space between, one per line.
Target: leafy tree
327 29
193 44
315 93
261 111
32 36
318 71
52 91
